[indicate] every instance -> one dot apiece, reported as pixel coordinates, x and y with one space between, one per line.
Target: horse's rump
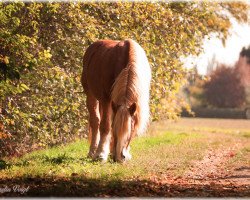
103 62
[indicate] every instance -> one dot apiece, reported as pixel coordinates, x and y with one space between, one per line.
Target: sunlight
213 48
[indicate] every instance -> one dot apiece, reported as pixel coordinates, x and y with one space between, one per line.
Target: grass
241 159
65 161
165 150
229 126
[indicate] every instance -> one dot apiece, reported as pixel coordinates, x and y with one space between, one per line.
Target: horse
116 80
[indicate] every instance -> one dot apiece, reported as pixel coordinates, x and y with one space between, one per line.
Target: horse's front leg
105 133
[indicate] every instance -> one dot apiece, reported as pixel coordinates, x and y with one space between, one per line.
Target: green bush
42 44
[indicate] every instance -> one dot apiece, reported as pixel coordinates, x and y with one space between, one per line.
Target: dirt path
213 169
223 171
219 173
213 166
209 177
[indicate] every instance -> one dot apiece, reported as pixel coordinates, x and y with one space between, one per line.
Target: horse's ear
114 107
132 109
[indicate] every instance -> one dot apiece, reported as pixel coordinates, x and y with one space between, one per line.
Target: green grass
163 151
150 155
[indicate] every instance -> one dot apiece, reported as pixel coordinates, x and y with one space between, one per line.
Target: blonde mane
132 86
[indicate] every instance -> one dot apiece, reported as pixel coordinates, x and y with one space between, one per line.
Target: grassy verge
150 154
165 150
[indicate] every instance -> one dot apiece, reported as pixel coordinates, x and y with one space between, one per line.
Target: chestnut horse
116 79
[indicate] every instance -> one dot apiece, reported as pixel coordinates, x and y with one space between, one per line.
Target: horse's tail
133 84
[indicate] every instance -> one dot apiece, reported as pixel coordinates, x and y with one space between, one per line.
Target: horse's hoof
101 158
91 155
126 155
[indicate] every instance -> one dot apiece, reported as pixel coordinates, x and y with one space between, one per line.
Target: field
184 158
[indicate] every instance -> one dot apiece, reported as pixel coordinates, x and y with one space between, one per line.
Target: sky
240 37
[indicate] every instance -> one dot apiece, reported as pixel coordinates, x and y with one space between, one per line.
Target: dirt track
212 176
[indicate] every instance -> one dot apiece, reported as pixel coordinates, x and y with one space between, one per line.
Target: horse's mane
132 85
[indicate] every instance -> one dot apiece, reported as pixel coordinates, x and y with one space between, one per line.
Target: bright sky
240 37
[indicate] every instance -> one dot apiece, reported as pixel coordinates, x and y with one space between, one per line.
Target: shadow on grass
59 159
54 160
81 187
3 164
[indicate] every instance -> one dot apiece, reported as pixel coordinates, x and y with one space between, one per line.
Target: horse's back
102 63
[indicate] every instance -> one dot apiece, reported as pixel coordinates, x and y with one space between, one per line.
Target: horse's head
123 128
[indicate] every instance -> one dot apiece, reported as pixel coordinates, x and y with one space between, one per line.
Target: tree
194 89
225 90
243 68
43 44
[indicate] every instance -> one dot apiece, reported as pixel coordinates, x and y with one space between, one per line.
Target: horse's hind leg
94 123
105 132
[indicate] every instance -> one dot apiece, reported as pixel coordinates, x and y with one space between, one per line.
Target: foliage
194 89
243 68
41 51
224 89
